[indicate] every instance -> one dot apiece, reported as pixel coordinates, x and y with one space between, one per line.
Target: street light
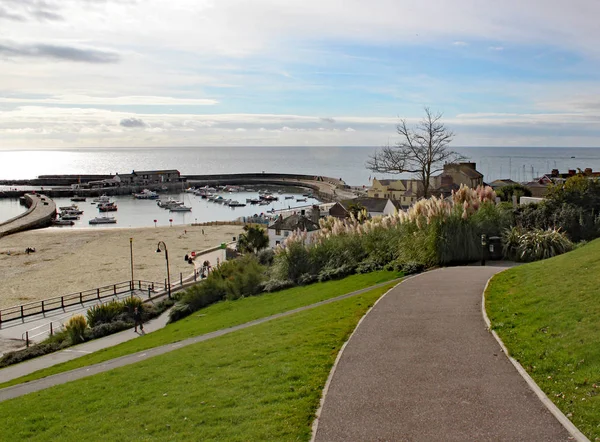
158 250
131 254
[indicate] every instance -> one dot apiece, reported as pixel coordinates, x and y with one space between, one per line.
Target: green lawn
548 315
260 383
222 315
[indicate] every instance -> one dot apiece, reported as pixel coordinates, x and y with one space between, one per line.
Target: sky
104 73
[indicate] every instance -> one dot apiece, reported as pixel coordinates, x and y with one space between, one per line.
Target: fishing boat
236 204
180 209
78 198
72 212
103 220
107 207
68 217
71 207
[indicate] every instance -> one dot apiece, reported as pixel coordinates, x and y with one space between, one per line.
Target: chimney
469 165
554 173
571 172
315 214
588 171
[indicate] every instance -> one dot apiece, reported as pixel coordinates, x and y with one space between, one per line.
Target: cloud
495 48
460 43
31 10
4 14
349 129
140 100
327 120
57 52
132 122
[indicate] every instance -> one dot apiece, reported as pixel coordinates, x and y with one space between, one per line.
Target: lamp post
131 254
158 250
483 248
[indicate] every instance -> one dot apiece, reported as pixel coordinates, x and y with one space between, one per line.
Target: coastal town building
407 191
282 227
373 206
148 177
497 184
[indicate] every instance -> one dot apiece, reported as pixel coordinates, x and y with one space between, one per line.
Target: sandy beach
68 261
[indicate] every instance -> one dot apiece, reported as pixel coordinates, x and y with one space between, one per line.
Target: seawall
41 211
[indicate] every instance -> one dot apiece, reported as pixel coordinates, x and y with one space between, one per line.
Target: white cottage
281 228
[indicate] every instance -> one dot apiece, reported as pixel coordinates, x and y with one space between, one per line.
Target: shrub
104 313
106 329
274 285
340 272
292 261
129 304
412 267
179 311
14 357
75 328
265 257
306 279
367 266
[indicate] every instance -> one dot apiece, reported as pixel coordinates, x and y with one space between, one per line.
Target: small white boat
101 199
180 209
103 220
71 207
236 204
146 194
78 198
169 203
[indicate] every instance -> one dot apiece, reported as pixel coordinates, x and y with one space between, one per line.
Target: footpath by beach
68 261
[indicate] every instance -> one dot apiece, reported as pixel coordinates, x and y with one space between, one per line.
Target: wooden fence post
27 338
43 311
98 292
22 314
81 297
62 302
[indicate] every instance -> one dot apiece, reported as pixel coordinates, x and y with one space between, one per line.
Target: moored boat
103 220
180 209
63 222
146 194
107 207
236 204
78 198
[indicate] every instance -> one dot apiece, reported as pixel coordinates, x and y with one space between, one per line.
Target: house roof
502 182
371 204
471 173
293 223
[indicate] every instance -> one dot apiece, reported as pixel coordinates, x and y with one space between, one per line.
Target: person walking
137 318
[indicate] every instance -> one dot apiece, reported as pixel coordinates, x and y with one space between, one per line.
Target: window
286 233
277 232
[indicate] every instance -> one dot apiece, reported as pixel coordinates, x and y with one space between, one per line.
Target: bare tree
423 150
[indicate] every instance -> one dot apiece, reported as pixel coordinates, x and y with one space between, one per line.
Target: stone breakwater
41 212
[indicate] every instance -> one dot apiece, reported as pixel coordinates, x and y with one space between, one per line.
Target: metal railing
61 302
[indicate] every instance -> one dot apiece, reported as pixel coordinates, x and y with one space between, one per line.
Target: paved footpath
422 366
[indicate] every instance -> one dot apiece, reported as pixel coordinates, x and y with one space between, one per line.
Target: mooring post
51 331
27 338
62 302
22 313
181 279
43 311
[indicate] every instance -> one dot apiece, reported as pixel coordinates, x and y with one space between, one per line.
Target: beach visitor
137 318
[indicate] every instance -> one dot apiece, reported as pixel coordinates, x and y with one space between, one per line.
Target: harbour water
133 212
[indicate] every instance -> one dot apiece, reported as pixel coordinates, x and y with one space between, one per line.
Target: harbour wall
40 213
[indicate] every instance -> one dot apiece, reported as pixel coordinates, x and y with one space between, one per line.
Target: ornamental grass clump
535 245
75 328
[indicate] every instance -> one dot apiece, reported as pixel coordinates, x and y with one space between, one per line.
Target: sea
518 163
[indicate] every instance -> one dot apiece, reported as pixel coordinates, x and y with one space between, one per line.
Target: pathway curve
18 370
423 366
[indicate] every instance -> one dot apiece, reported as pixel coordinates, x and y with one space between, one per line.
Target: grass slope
222 315
261 383
548 315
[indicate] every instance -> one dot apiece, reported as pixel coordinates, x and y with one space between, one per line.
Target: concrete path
18 370
422 366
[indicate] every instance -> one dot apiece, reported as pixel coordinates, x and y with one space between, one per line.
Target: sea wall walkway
421 365
41 212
